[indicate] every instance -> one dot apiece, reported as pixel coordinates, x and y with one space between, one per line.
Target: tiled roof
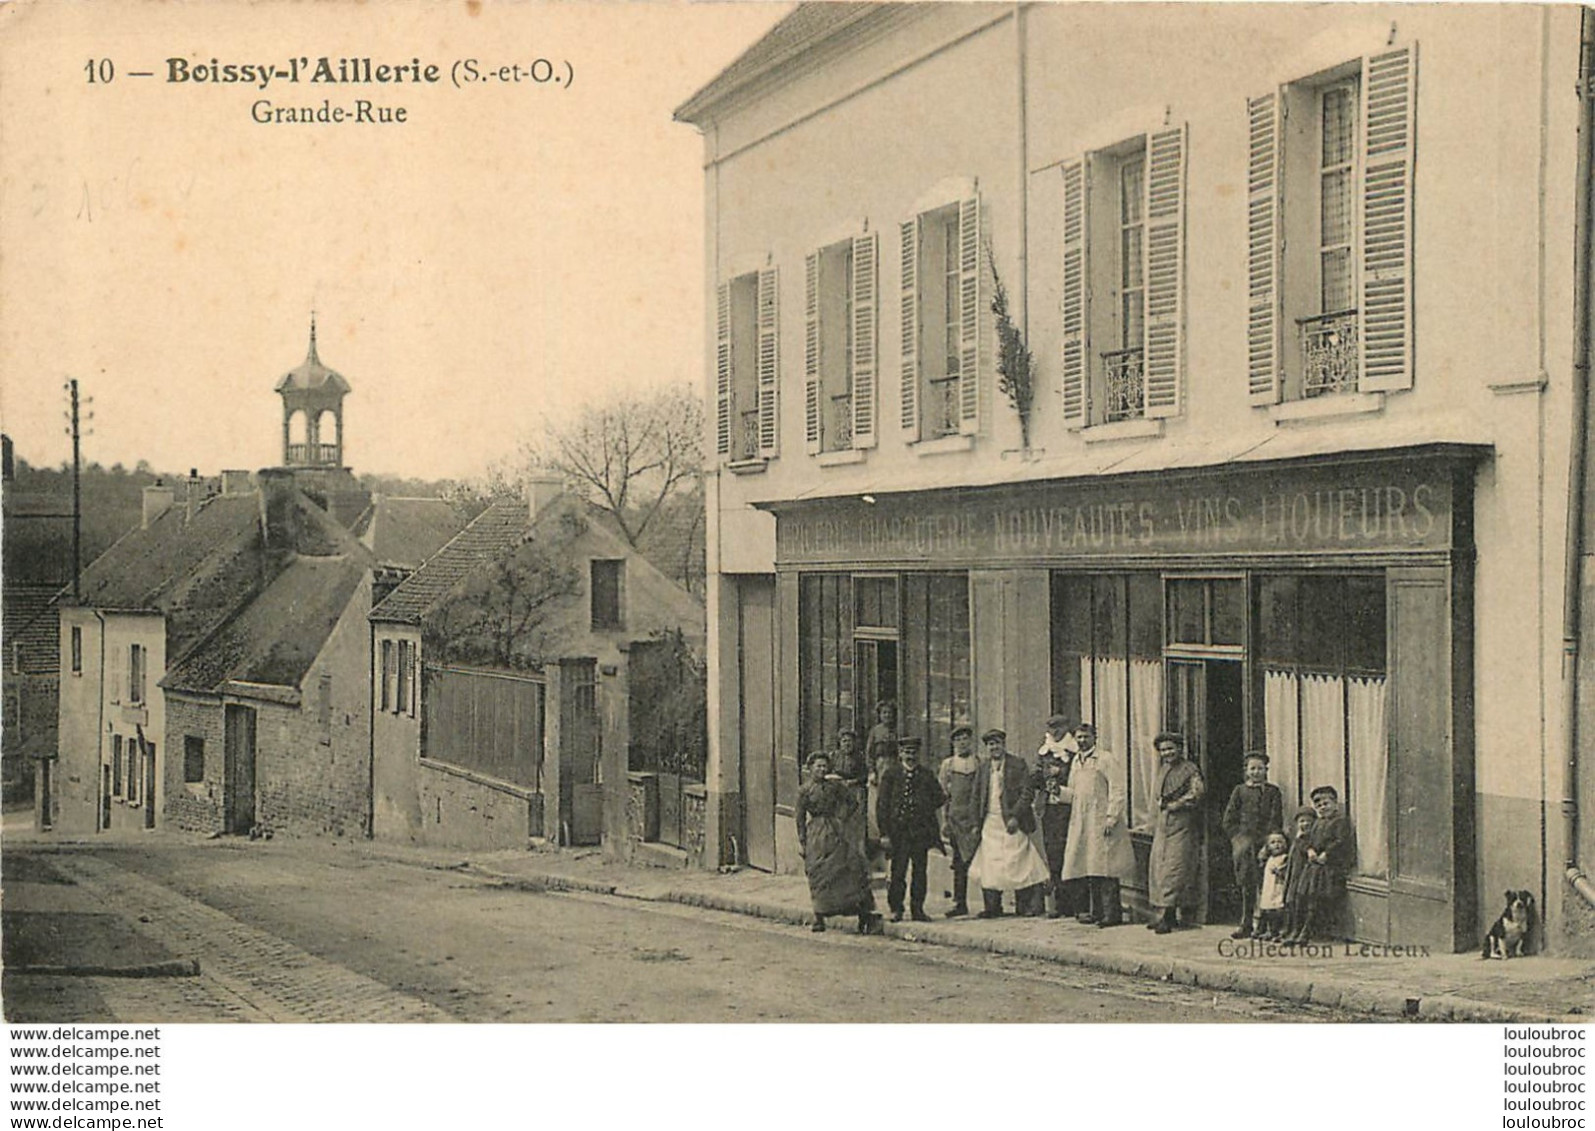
807 25
406 532
502 525
277 636
32 629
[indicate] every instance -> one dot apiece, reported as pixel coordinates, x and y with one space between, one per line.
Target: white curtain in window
1367 804
1146 719
1104 686
1323 733
1280 714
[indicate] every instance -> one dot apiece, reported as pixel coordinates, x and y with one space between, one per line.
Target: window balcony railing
313 454
941 410
1329 349
1125 376
839 426
748 441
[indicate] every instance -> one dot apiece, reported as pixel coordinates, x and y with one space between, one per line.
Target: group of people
983 809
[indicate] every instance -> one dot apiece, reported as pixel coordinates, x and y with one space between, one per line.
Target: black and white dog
1509 937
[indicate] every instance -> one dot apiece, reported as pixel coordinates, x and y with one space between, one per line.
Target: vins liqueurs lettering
326 69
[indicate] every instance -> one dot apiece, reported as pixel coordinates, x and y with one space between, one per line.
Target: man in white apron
1007 860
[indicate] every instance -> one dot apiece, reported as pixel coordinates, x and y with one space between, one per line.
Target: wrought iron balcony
941 413
748 447
1329 350
1126 384
839 427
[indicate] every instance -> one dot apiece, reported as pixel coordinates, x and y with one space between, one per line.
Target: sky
510 252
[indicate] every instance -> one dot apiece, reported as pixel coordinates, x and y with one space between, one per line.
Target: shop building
1299 289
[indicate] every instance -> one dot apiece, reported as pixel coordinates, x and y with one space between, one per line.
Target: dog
1509 937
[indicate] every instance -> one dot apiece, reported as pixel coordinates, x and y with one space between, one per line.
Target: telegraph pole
77 492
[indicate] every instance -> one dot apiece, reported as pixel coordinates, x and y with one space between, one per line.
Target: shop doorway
1207 705
876 664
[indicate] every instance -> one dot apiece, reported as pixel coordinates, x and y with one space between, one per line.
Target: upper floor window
137 656
607 581
1329 232
77 650
941 322
747 367
1124 280
839 355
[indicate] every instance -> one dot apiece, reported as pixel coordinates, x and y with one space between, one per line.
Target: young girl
1275 859
1328 861
1296 873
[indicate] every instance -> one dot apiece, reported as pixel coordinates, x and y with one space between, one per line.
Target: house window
132 772
747 367
324 706
942 315
77 650
1123 280
607 581
401 702
839 355
193 759
387 675
1329 260
116 765
136 655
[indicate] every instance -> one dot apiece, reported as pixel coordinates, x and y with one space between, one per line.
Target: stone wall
464 809
195 806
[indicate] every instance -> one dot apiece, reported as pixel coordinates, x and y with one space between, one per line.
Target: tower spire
312 355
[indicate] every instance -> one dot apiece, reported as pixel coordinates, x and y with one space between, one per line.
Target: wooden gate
669 736
238 761
487 721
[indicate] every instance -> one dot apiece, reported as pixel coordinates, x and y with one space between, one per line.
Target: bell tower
312 412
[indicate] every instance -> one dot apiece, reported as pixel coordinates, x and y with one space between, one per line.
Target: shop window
825 665
941 317
840 346
1123 280
935 659
747 368
77 650
875 600
1207 612
1107 669
193 759
608 578
1321 643
1329 234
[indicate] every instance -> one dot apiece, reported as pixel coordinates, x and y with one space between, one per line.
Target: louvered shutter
866 329
1262 248
722 370
811 352
1075 296
910 385
970 316
1389 85
1165 271
769 367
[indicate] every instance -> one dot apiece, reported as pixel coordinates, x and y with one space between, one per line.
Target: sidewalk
1440 987
1437 987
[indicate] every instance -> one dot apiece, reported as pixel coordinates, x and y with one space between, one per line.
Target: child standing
1328 861
1296 872
1275 859
1256 808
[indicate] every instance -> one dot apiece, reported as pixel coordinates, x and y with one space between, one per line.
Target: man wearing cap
906 812
1098 851
964 812
1006 860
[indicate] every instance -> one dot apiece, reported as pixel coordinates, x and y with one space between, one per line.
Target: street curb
172 968
1336 993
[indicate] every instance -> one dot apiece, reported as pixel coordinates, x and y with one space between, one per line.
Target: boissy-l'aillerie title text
359 70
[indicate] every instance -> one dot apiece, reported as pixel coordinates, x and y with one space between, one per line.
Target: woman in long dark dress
839 875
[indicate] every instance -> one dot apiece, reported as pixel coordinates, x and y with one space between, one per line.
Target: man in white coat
1098 850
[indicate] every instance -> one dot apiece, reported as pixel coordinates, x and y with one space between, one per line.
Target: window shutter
1389 89
1262 248
1075 297
769 364
866 328
910 231
722 370
811 352
970 316
1165 271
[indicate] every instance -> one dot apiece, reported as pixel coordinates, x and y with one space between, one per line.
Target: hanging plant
1015 366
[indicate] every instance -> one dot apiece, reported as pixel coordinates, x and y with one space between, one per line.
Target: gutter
1572 613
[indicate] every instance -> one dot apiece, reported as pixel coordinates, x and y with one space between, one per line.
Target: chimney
541 491
196 493
278 515
236 483
158 500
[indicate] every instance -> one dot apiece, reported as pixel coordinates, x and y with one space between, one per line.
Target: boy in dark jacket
1256 808
907 813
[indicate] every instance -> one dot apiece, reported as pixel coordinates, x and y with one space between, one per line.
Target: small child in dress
1296 872
1275 859
1328 861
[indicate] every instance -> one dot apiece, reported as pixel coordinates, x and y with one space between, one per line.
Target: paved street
298 932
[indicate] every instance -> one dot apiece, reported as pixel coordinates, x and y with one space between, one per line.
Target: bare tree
629 456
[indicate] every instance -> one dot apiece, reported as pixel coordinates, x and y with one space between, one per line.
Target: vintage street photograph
1000 513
